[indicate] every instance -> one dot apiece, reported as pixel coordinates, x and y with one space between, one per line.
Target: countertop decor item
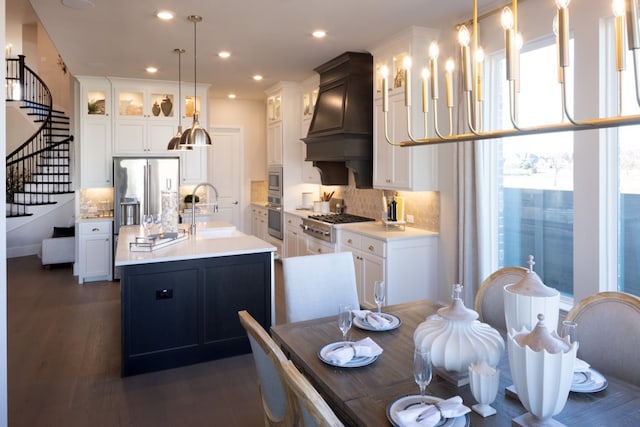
456 339
484 381
542 369
528 297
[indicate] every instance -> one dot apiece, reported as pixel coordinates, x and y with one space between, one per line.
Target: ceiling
268 37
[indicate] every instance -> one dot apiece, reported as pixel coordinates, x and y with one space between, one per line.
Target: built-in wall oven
275 218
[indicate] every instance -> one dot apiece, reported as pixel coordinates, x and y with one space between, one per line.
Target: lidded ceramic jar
528 297
541 366
456 338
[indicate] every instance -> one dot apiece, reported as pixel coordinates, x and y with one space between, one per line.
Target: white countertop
192 248
94 219
374 229
379 231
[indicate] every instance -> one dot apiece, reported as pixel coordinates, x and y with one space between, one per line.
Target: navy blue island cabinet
183 312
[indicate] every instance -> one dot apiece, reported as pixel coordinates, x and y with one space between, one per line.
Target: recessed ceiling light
319 34
232 96
257 77
224 54
165 15
151 70
78 4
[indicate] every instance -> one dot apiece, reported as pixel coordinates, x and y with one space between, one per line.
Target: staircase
40 168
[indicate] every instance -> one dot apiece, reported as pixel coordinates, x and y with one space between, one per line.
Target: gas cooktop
340 218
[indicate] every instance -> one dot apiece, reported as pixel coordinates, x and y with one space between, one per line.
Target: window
629 190
534 180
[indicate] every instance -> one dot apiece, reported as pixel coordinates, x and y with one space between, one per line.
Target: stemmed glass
344 319
379 293
570 330
147 222
422 369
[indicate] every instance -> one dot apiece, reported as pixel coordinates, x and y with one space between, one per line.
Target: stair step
47 188
53 169
54 161
32 199
37 178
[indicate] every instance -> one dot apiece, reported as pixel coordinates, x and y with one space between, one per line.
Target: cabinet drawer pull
95 229
371 248
164 294
349 241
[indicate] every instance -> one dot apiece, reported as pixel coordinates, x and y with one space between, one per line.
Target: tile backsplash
423 205
96 202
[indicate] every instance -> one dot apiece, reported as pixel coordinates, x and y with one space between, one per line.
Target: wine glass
570 330
422 369
344 319
147 222
379 293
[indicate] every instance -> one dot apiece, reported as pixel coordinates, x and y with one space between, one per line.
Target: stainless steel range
323 226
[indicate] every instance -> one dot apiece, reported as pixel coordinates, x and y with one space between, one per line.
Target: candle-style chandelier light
472 79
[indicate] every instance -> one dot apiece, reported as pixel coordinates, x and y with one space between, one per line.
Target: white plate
404 402
356 362
589 381
363 324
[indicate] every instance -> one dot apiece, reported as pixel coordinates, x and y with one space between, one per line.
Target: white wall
3 251
251 117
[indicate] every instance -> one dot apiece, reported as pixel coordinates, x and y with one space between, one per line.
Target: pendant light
174 144
196 136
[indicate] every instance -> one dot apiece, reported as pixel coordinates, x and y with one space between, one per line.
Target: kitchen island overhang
180 303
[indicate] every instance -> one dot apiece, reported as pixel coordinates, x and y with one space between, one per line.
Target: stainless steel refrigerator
138 185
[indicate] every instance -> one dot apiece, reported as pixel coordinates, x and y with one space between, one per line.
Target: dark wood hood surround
340 136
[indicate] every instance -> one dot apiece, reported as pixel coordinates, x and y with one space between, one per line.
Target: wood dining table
360 396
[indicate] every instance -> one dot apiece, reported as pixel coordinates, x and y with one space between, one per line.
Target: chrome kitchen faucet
193 210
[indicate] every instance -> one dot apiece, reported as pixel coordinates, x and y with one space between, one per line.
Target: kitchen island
180 303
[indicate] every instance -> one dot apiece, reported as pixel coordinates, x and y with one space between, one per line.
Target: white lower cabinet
259 221
295 241
406 265
94 250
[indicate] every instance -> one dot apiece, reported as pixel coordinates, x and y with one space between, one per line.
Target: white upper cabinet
146 116
398 168
310 174
94 144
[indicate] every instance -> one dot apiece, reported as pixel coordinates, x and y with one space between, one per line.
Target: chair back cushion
314 285
609 333
489 302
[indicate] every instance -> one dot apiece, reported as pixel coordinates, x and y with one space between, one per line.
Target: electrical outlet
410 219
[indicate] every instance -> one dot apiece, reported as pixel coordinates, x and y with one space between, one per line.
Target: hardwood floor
64 363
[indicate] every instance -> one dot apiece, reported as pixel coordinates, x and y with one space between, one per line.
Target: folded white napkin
364 348
430 415
580 366
374 319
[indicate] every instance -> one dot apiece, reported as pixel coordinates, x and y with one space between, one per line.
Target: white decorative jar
541 366
170 206
456 338
528 297
483 381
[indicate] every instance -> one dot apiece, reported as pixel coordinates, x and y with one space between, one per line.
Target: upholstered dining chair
311 409
278 404
314 285
489 302
609 333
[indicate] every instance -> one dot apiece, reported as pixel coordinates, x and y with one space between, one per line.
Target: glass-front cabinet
398 168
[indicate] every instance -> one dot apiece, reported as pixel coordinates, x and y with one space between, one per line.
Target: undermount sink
217 232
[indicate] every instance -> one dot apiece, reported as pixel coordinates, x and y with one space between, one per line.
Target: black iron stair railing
39 168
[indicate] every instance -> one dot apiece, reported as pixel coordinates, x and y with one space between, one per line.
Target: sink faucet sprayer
193 210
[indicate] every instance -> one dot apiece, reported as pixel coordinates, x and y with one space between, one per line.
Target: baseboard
18 251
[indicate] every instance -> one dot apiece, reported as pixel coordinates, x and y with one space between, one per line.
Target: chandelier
471 71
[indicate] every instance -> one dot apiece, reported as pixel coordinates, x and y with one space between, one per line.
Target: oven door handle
274 207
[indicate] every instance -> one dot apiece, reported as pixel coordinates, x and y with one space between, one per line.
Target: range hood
340 136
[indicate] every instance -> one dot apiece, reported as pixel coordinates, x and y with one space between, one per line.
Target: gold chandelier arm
409 133
450 121
590 124
469 114
566 108
435 121
513 104
636 73
386 131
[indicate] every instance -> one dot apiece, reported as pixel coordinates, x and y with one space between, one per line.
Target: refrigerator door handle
146 189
